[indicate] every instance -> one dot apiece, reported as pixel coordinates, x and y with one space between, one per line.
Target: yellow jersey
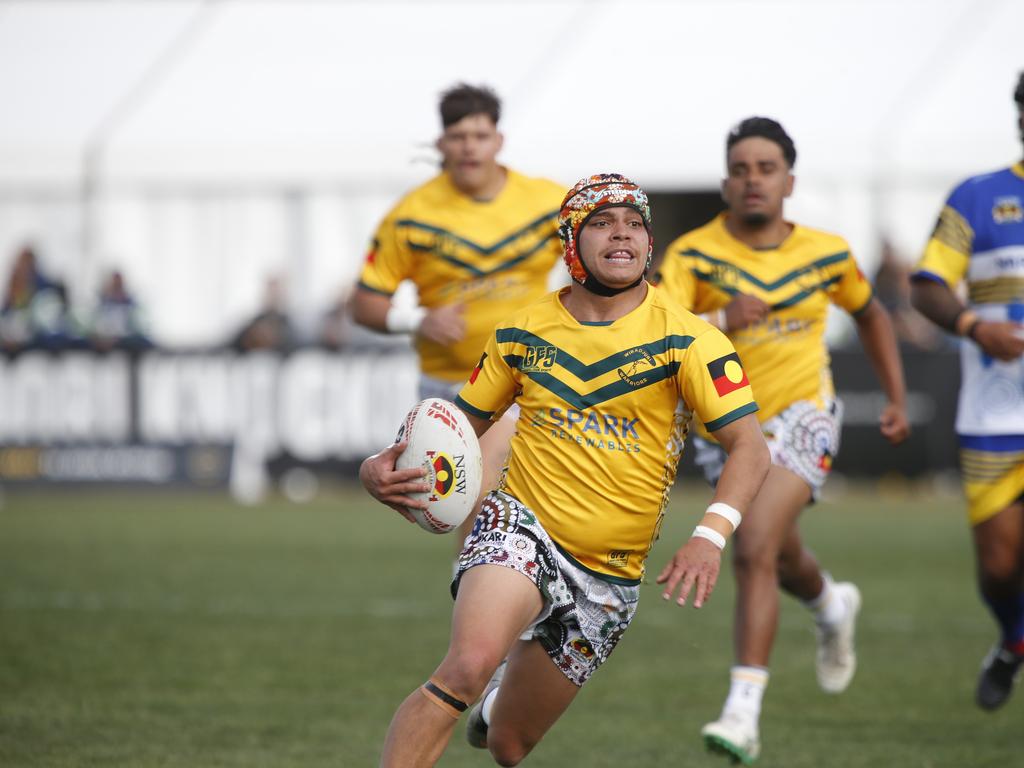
785 355
494 256
604 412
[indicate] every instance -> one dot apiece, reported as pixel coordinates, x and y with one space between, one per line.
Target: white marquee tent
202 146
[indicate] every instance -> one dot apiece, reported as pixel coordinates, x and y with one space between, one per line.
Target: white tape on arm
716 317
703 532
404 319
730 513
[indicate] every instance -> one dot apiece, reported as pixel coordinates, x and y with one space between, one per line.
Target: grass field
168 629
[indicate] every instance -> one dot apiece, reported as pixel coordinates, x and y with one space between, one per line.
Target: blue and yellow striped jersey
785 355
494 256
979 237
604 414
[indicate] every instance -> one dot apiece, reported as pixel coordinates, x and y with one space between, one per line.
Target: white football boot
837 658
734 736
476 728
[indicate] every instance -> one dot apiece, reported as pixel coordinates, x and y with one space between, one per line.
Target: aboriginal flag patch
727 374
479 367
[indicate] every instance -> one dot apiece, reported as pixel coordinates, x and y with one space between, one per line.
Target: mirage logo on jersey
1008 210
632 374
538 359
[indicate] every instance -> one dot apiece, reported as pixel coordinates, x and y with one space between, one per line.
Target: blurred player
768 283
979 238
606 373
478 241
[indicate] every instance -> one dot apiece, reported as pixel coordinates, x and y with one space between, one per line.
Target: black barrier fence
201 418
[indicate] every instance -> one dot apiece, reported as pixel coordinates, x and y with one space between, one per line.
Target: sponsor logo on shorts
537 359
582 647
490 537
727 374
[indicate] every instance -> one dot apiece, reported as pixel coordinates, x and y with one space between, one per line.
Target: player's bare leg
799 572
835 608
532 696
494 606
999 549
759 544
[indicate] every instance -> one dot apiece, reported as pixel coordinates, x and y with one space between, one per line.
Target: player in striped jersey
478 240
979 238
607 374
771 282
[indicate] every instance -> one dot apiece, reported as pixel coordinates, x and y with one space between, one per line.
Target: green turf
170 629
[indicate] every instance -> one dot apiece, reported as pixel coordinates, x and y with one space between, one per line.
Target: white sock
827 607
488 705
746 689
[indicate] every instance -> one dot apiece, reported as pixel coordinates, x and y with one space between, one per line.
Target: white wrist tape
716 317
702 531
724 510
404 319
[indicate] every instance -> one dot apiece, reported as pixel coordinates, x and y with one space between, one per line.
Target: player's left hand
694 566
893 423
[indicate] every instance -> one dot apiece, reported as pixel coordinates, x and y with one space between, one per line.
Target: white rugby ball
442 441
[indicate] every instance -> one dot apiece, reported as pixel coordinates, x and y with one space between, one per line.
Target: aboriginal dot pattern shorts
804 439
583 616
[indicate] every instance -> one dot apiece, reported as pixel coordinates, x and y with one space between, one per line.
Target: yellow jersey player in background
979 238
607 373
768 283
478 241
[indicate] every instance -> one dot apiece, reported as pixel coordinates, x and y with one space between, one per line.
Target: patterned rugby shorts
583 616
804 439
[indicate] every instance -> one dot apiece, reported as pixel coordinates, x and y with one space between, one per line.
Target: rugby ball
441 440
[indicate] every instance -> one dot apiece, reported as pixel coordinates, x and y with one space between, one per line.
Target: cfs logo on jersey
449 474
725 276
538 359
1007 210
727 374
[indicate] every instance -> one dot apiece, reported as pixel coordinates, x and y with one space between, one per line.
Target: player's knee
507 748
468 671
749 559
1000 567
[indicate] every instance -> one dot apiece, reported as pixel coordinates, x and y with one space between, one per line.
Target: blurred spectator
892 287
118 321
336 325
271 328
35 309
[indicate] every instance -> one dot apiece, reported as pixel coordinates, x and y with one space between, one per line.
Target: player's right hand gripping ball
442 441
